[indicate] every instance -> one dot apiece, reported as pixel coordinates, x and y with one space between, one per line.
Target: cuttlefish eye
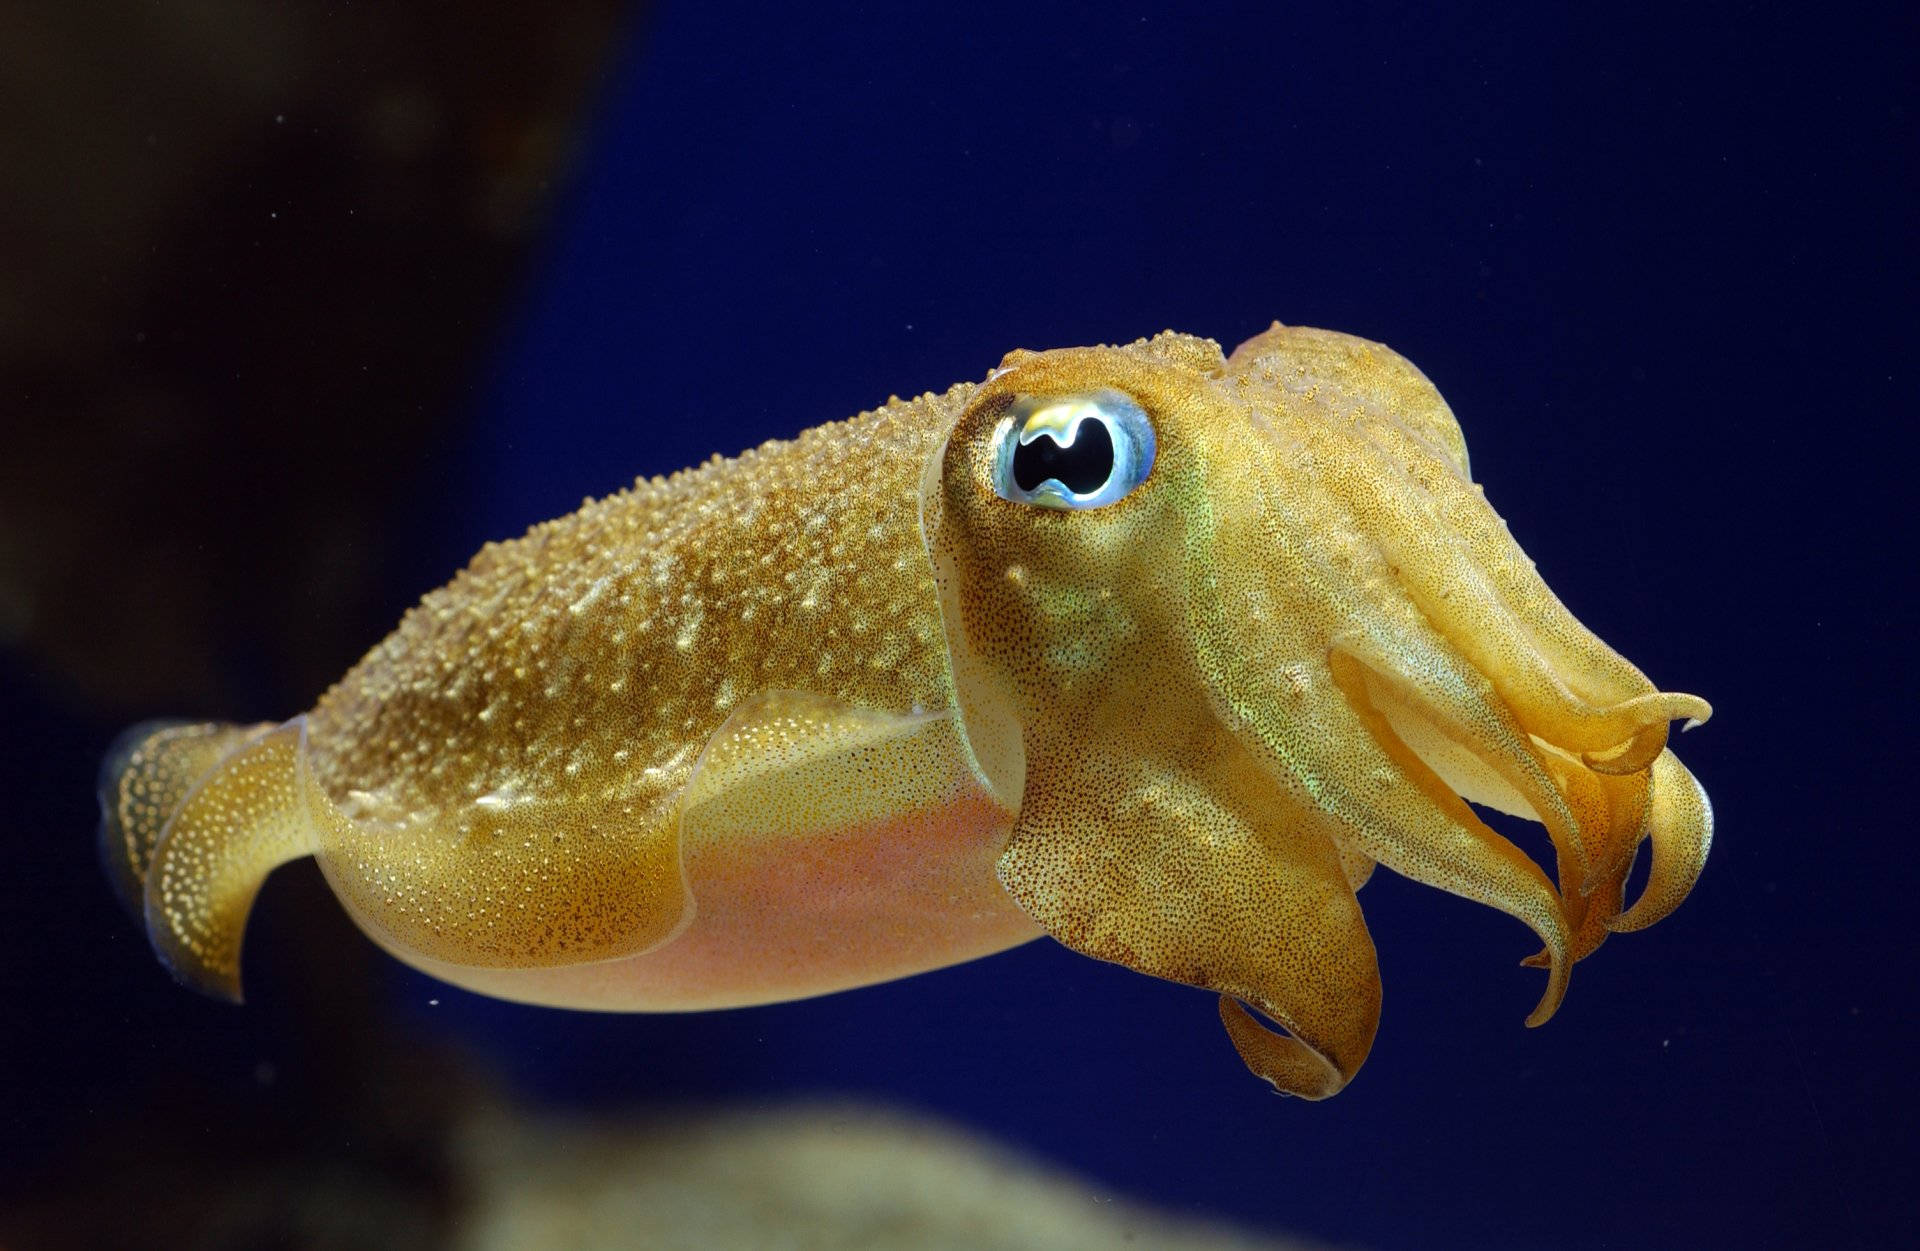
1071 451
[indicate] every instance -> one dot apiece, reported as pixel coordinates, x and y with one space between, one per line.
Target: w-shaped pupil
1083 466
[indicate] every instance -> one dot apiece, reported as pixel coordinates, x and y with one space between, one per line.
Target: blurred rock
249 255
791 1179
425 1154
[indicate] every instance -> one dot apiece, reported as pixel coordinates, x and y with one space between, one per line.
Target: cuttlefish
1153 650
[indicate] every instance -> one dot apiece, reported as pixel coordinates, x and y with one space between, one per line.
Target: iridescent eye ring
1084 450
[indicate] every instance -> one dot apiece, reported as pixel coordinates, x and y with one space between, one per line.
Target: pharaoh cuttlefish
1153 650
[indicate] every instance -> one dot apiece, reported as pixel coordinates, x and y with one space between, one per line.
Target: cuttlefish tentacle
1680 828
1418 826
1582 712
1565 684
1453 553
1182 868
1614 808
1424 677
1462 568
1384 799
1403 410
1442 539
1317 725
1665 807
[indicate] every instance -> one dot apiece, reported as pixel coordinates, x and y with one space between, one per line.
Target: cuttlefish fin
1192 869
147 774
199 850
540 875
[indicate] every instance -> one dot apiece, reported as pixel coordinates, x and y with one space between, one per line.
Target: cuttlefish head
1226 632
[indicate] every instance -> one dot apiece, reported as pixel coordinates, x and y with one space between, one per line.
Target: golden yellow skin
837 711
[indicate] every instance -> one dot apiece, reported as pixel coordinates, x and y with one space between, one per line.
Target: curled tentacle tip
1650 713
1559 970
1541 959
1285 1063
1697 711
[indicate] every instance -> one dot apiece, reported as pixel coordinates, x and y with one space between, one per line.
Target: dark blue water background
1659 259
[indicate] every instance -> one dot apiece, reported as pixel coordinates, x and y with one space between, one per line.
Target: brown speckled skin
639 621
576 674
837 710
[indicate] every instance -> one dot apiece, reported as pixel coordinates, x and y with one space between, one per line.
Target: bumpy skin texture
837 711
